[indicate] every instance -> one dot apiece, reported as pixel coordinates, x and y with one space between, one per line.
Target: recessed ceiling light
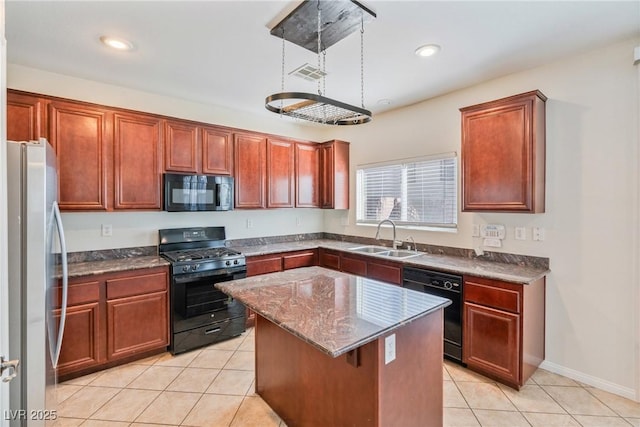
428 50
116 43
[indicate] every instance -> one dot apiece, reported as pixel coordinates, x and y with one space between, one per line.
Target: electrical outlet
389 349
537 233
475 231
492 242
249 223
521 233
107 230
298 221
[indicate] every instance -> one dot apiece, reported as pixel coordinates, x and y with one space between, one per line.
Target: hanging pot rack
316 25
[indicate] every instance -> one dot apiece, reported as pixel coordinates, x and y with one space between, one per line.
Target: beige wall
592 219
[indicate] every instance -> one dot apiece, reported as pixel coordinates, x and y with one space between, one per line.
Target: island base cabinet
307 387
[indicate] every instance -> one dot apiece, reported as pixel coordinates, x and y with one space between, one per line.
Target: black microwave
197 192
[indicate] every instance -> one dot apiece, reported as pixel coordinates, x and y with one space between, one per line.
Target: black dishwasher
444 285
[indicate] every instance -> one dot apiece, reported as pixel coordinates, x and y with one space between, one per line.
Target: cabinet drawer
354 265
300 259
329 259
385 272
136 285
264 264
79 293
490 295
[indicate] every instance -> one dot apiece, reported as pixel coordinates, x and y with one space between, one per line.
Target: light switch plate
521 233
389 349
537 233
475 231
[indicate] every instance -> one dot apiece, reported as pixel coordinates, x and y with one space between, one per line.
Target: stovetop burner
198 250
200 254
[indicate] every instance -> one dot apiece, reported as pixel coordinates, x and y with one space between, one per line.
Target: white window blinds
421 192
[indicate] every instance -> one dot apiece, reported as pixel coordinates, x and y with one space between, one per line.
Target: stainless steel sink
400 254
369 249
386 252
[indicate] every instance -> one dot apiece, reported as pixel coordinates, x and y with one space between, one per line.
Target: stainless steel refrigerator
37 305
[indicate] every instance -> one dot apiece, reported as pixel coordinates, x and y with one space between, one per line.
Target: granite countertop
88 268
333 311
447 263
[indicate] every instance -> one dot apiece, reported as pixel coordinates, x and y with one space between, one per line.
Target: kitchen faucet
395 243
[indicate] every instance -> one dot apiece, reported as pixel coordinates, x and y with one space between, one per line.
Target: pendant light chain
362 59
319 42
282 75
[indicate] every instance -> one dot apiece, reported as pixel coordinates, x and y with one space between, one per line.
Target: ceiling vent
308 72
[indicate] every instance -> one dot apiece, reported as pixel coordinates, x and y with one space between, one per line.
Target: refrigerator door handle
65 283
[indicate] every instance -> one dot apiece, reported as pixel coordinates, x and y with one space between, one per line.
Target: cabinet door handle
211 331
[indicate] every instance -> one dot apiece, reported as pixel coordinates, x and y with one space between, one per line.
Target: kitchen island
334 349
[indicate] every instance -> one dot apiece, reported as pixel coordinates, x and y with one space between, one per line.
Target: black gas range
200 313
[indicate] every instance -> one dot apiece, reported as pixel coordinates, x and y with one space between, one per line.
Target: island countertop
333 311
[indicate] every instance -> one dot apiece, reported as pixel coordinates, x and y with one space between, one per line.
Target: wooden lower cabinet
81 348
503 328
362 265
114 318
271 263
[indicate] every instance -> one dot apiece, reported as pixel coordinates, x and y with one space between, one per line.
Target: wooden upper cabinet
189 148
280 173
335 175
79 134
25 117
137 162
503 155
307 186
181 147
217 151
250 170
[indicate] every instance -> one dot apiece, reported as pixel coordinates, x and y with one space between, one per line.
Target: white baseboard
629 393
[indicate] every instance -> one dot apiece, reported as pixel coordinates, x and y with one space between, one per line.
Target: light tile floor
214 387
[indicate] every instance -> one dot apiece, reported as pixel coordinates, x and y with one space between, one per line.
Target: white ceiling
221 52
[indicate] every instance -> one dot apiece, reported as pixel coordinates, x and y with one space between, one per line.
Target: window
421 192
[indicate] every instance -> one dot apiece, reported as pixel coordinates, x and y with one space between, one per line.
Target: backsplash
123 253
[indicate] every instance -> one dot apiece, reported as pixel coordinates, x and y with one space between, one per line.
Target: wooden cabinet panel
280 173
489 293
503 150
137 324
25 117
136 285
79 135
217 151
307 175
299 259
329 258
181 147
492 341
138 172
335 175
353 264
250 170
264 264
82 338
386 272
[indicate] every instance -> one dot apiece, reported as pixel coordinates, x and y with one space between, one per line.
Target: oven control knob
185 268
235 261
227 263
448 285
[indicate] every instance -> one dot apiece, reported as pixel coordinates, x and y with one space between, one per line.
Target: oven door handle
212 331
226 274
